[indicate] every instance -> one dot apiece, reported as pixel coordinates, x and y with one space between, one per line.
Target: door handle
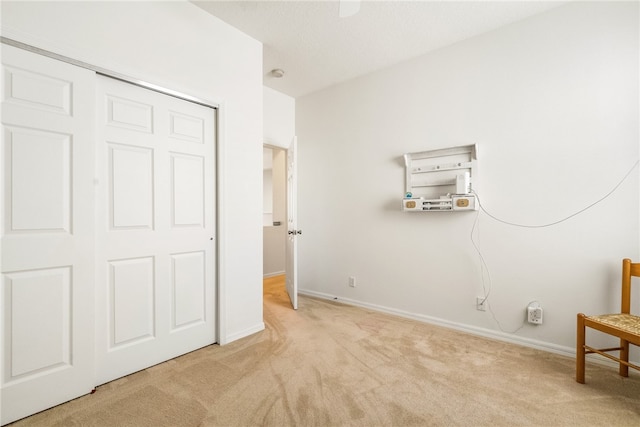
294 232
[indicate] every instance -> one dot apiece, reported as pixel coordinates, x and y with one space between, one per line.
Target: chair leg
624 355
580 353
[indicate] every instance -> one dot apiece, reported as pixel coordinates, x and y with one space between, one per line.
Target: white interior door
292 224
155 221
47 323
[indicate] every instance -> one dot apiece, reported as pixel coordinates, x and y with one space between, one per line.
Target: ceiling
316 48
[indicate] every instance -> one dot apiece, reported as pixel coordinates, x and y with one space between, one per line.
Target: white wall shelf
440 180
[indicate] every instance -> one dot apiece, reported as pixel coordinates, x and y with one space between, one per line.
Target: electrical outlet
534 315
352 281
481 303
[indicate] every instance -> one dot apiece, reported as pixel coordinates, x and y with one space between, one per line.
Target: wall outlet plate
534 315
481 303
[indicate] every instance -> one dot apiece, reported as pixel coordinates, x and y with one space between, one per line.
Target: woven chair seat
625 322
623 325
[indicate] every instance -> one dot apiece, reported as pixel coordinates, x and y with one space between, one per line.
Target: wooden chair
623 325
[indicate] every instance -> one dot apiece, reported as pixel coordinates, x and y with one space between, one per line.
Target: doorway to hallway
274 212
280 231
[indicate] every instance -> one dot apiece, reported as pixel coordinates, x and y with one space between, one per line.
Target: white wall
279 130
552 102
179 46
280 186
267 197
279 118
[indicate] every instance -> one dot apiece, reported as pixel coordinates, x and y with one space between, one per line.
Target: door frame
287 149
220 108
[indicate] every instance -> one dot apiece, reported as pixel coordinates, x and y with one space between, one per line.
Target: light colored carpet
329 364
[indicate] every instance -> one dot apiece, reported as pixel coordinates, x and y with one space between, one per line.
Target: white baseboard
241 334
474 330
277 273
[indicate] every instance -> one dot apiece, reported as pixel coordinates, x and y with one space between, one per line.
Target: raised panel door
155 221
46 217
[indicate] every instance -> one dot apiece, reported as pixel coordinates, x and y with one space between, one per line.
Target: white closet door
155 260
46 192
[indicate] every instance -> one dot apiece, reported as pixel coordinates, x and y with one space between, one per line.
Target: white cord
486 292
563 219
484 265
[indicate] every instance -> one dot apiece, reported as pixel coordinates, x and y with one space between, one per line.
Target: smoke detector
277 73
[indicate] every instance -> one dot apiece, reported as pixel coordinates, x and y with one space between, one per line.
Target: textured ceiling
318 49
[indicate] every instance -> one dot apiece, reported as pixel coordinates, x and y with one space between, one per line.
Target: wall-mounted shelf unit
440 180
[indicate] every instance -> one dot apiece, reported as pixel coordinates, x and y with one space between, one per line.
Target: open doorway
279 218
274 216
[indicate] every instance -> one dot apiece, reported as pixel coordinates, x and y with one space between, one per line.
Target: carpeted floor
329 364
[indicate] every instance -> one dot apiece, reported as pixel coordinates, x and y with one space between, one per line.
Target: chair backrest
629 269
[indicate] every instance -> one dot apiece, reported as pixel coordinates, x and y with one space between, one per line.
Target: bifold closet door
47 296
155 260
